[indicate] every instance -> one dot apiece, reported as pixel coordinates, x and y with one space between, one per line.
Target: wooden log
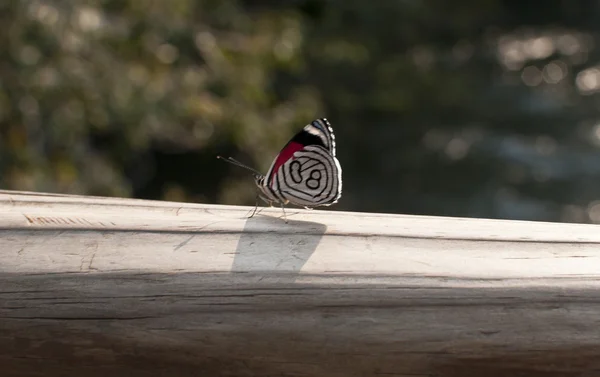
121 287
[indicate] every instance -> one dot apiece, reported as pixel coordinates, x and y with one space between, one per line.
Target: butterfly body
306 171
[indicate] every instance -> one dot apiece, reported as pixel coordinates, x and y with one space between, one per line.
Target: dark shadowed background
482 108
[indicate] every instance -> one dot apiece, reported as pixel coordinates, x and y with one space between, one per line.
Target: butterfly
306 171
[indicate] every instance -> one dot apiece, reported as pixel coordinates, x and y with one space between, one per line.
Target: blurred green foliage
482 108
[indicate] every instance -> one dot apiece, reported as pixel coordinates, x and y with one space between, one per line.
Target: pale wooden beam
109 286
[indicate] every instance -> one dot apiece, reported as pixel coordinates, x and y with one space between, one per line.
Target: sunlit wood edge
18 208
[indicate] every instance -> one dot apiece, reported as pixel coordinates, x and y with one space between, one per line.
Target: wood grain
108 286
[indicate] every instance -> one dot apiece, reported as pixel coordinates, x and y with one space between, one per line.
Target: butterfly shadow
272 248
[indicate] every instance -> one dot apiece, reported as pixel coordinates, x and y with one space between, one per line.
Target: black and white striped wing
313 177
306 172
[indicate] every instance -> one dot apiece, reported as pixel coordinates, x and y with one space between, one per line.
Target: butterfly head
264 191
261 183
259 179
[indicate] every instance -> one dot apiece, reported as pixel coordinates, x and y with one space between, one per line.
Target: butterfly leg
284 216
255 207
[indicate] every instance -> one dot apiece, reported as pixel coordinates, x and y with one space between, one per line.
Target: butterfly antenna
233 161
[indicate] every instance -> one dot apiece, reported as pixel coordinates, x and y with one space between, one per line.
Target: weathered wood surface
117 287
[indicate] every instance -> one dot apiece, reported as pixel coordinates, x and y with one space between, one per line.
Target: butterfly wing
306 172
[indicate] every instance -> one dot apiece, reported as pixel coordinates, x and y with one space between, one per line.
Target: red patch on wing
286 154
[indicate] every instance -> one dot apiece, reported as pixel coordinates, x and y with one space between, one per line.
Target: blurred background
483 108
